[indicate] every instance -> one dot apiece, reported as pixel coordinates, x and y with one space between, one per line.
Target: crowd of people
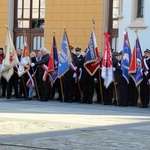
76 85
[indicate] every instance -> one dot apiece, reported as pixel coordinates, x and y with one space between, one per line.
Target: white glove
114 69
32 64
148 83
95 80
146 73
80 70
75 68
74 75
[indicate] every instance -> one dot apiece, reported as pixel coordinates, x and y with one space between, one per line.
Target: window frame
140 9
136 22
30 19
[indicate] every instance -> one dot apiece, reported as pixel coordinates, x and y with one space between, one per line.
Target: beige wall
3 21
77 16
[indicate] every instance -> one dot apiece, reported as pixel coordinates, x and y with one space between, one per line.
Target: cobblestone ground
97 140
57 126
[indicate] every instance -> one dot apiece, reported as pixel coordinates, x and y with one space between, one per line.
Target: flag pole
33 72
78 83
25 90
61 85
99 75
136 32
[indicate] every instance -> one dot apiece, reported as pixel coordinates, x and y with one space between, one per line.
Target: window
140 8
38 13
137 15
114 14
30 14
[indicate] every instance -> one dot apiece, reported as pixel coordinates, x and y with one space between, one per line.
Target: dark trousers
3 86
144 92
132 93
88 89
68 90
108 94
122 89
44 89
13 82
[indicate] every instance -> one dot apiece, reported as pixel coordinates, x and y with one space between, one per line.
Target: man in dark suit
122 85
43 83
144 86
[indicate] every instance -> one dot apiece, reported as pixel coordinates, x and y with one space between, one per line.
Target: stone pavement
35 125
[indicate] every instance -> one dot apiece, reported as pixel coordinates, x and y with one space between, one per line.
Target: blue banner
63 64
126 57
138 75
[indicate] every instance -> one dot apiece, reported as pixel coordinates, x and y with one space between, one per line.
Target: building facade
38 18
134 16
3 21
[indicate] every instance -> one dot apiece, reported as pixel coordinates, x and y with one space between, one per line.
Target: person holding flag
121 72
8 65
135 69
90 66
78 61
42 66
144 86
122 85
107 71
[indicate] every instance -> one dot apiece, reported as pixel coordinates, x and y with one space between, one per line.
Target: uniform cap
77 49
147 51
71 47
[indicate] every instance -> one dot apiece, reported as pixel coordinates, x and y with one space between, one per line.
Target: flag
10 60
107 71
54 64
24 65
64 57
92 61
48 68
51 61
126 57
135 69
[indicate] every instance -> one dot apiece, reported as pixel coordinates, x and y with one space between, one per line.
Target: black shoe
105 103
114 102
144 106
28 98
69 101
44 100
35 96
58 99
18 96
89 102
8 97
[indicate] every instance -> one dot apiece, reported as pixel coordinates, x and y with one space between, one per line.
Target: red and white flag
24 65
107 69
10 60
92 60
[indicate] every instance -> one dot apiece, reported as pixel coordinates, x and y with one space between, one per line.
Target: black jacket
118 73
44 61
